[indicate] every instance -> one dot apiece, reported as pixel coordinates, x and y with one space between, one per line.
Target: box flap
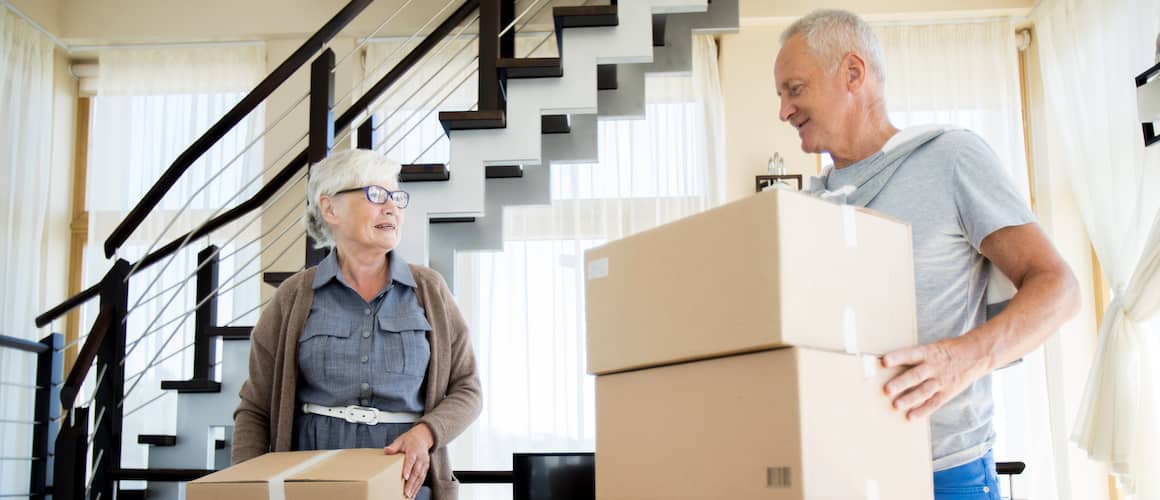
359 464
259 469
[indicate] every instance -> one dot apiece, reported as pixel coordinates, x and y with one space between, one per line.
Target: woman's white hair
831 34
345 170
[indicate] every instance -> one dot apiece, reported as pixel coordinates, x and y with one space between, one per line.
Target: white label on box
850 330
871 489
849 227
598 268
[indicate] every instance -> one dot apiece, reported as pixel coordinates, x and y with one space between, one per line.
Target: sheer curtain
967 75
526 303
26 105
151 104
1089 53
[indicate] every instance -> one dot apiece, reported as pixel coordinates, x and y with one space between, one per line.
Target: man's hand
939 372
416 445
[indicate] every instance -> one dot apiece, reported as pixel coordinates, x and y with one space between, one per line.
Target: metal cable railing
218 291
240 230
432 109
382 101
186 316
189 236
365 40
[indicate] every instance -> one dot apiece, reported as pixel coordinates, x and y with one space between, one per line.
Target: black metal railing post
49 373
366 134
491 88
321 131
205 319
72 447
110 388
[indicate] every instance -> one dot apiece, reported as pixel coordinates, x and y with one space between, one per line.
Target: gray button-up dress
352 352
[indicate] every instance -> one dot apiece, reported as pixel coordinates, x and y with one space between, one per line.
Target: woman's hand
415 444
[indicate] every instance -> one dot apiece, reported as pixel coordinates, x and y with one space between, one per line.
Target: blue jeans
971 481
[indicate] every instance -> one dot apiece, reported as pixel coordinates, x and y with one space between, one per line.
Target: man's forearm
1045 301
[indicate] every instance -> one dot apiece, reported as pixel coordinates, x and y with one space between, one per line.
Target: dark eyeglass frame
388 194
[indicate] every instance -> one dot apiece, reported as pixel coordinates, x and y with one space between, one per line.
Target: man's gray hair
345 170
831 34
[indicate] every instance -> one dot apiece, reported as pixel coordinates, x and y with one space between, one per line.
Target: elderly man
965 217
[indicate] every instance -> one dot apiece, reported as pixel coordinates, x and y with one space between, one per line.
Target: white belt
362 414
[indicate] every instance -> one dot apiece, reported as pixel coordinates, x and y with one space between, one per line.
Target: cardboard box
775 269
786 424
353 474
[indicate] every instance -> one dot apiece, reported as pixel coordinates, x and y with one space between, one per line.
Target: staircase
532 112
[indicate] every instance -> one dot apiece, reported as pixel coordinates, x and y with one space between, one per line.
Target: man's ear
855 68
327 208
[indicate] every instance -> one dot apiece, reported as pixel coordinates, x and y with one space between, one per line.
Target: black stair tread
157 439
472 120
606 77
503 171
530 67
234 332
132 494
191 386
451 220
424 172
659 21
585 16
275 278
555 124
1011 468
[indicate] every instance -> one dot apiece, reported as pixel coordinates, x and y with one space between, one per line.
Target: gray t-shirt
954 192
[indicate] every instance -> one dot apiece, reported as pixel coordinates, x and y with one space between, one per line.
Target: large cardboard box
353 474
775 269
786 424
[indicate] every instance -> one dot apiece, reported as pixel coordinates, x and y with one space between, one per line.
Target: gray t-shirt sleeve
985 196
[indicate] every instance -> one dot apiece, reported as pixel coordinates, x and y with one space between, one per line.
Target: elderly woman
364 350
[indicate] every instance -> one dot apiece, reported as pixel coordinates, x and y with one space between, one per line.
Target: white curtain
151 104
26 105
1089 53
958 74
526 303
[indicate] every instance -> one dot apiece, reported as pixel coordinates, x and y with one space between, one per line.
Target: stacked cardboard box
734 353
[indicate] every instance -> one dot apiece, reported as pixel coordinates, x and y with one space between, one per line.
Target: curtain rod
35 25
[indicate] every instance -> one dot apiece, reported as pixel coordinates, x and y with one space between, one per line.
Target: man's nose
787 110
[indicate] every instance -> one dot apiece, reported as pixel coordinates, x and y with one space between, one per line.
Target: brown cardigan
264 420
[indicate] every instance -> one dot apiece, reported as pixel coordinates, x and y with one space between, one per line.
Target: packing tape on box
869 366
598 268
849 227
277 484
871 489
850 330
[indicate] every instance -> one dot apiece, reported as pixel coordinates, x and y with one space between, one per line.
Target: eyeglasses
379 195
